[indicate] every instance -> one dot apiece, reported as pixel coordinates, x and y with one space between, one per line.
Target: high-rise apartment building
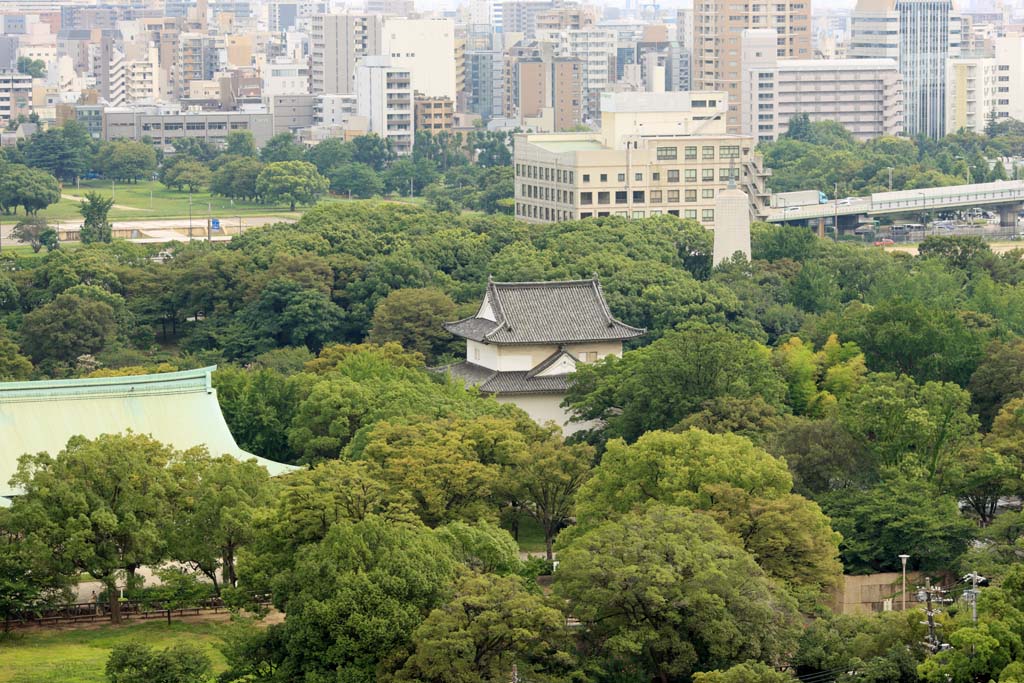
595 49
400 8
15 95
337 43
864 95
426 49
434 114
716 50
198 59
986 86
923 36
384 95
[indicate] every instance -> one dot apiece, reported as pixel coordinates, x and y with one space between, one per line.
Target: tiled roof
493 382
571 311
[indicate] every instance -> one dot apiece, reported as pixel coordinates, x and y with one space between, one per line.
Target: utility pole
932 641
189 214
209 222
835 219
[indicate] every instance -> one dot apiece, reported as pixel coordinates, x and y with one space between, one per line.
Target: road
165 226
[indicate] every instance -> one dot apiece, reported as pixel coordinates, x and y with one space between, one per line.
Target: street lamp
190 214
903 599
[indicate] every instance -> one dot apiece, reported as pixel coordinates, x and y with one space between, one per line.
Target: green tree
355 180
373 150
35 232
998 378
129 161
30 188
13 365
29 577
213 504
68 327
753 672
545 480
902 514
491 624
36 68
240 143
744 488
136 662
94 209
282 147
414 319
329 154
292 182
657 386
188 173
98 505
354 600
627 579
62 152
237 178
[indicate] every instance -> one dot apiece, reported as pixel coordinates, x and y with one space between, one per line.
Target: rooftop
176 408
571 311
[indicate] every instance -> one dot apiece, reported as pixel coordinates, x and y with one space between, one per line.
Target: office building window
638 196
604 177
673 196
691 153
655 196
655 177
707 193
586 177
604 198
729 152
673 176
673 212
691 195
622 177
638 214
638 177
707 175
667 154
707 215
691 213
691 175
621 197
707 153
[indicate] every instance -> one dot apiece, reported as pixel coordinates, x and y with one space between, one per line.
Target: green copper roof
176 408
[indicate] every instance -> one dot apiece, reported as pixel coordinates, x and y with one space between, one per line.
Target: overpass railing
932 198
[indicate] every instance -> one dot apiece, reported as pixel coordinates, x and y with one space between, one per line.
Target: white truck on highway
783 200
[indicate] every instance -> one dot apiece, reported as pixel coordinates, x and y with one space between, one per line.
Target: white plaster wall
545 408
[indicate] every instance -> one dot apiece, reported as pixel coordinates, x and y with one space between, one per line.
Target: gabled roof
494 382
571 311
177 408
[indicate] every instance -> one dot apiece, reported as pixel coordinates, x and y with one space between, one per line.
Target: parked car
885 241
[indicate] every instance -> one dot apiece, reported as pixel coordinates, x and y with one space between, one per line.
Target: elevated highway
1004 196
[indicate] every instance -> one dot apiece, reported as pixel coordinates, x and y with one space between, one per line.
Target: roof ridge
542 283
82 383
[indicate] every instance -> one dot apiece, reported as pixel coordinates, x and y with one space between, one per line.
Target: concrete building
163 128
544 92
568 18
655 154
285 77
198 59
717 52
426 49
334 110
922 35
732 224
142 79
433 114
15 96
520 16
595 49
337 43
401 8
384 95
292 113
971 93
864 95
527 338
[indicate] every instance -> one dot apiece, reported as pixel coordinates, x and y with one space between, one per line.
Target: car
847 201
885 241
791 208
863 230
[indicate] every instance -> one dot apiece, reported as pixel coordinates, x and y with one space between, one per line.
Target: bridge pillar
1008 215
821 227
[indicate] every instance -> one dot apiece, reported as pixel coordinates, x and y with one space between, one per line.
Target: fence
88 612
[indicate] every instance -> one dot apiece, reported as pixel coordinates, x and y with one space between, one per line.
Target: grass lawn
134 201
79 656
531 537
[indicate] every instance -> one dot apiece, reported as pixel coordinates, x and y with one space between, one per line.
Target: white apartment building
864 95
922 35
142 79
987 84
337 43
656 153
384 95
334 110
285 77
595 48
15 95
426 49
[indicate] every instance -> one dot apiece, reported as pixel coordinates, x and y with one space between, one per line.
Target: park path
77 198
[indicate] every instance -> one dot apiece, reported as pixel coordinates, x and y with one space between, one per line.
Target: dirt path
123 207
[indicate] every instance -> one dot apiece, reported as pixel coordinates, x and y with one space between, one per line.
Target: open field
79 655
997 247
149 199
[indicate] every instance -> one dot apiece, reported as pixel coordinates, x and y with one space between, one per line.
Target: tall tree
94 209
98 505
240 143
292 182
282 147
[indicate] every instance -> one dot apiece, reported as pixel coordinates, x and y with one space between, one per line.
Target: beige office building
717 50
864 95
338 42
656 153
